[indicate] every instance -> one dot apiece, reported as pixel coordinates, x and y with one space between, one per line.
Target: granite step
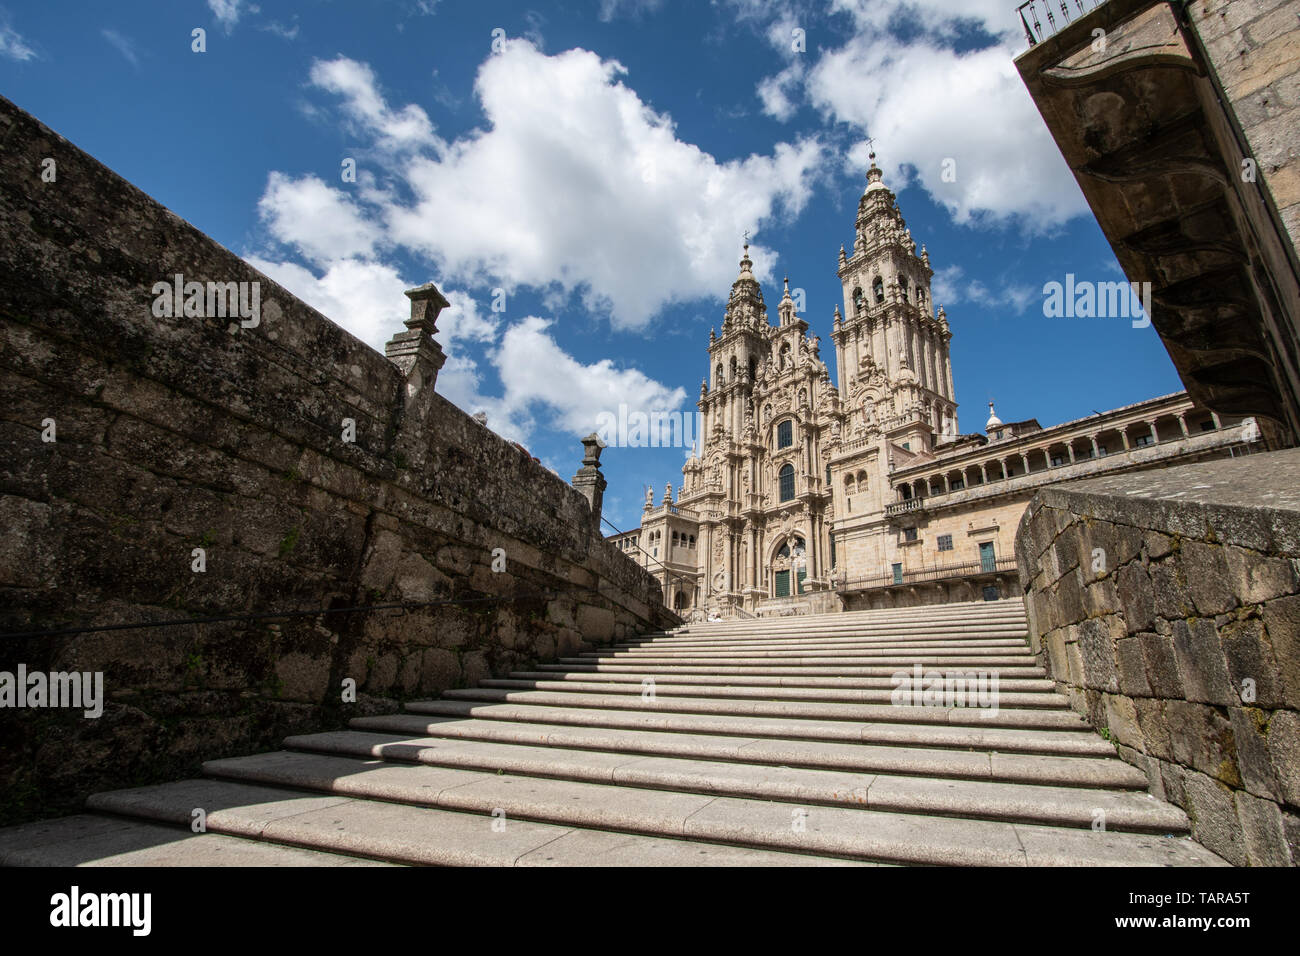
761 670
412 831
1060 717
969 799
671 688
769 743
1077 739
850 832
1029 685
898 758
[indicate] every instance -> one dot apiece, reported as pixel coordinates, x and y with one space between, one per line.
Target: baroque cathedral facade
807 497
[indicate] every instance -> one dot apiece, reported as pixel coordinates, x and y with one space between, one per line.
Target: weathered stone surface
1249 726
1132 667
1206 572
1098 653
1201 663
1205 642
1263 830
190 432
1214 817
1137 597
1282 623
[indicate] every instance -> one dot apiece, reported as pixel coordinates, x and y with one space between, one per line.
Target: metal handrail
650 557
1038 10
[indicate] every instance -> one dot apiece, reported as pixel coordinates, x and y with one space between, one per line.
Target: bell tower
891 345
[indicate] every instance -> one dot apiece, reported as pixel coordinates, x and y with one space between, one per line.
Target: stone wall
1254 49
179 433
1166 605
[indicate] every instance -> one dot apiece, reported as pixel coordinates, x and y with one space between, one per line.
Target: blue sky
599 162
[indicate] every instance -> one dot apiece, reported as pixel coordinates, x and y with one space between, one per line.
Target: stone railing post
414 351
589 480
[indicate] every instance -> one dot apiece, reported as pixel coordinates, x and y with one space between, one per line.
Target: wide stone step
847 645
992 800
92 840
1031 685
811 625
818 640
854 832
937 653
1009 631
1062 718
782 669
900 759
413 832
1049 699
1076 740
737 660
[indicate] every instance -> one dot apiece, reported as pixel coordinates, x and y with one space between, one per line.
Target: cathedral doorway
789 567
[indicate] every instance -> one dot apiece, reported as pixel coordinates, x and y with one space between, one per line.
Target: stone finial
414 351
426 303
591 449
668 493
589 481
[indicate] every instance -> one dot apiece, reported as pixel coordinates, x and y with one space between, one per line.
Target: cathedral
805 497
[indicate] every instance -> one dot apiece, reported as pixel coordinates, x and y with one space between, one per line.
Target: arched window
902 287
878 289
717 382
786 479
733 368
850 486
753 368
858 304
785 434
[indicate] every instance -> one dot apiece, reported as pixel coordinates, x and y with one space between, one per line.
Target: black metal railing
1045 18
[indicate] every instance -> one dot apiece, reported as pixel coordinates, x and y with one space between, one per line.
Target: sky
579 177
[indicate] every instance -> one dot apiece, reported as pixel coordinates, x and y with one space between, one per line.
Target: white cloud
574 187
776 92
925 103
12 45
283 31
365 106
950 286
227 12
123 45
536 371
609 9
578 184
322 222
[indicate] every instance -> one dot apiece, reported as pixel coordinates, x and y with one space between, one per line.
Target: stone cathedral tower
892 348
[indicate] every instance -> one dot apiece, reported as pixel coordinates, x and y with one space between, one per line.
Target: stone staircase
748 743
